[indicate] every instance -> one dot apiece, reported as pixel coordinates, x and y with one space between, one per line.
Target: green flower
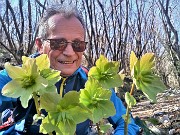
97 99
63 113
106 73
30 79
143 77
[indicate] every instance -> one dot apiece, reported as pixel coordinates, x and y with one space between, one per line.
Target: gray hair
66 11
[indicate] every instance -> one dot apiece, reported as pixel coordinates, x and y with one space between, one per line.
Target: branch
169 22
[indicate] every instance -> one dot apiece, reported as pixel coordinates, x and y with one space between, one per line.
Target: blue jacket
76 82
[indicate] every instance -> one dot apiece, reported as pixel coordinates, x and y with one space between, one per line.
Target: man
62 37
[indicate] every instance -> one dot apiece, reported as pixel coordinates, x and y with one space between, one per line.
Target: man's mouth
66 62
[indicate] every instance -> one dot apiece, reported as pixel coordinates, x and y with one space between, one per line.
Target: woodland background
114 28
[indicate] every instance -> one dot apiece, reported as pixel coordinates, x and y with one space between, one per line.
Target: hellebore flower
143 76
106 72
34 77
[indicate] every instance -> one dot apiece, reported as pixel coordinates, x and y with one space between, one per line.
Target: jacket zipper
62 86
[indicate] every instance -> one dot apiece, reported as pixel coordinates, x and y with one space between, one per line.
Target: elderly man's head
61 36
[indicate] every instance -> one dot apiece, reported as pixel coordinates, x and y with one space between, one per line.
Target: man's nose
68 50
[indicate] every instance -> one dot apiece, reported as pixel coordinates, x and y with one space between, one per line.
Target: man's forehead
58 18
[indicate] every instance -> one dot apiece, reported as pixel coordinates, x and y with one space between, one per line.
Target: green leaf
49 101
130 100
48 89
69 99
49 124
79 113
151 89
105 128
104 109
68 127
143 125
70 102
106 73
154 121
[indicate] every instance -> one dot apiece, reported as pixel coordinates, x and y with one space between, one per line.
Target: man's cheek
46 49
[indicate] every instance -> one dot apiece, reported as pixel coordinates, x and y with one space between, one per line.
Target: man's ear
39 44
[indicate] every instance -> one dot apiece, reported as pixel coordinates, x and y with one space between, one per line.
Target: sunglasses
61 44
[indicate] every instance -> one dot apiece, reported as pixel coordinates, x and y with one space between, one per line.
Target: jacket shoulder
4 78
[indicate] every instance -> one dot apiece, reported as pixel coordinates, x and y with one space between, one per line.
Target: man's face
67 61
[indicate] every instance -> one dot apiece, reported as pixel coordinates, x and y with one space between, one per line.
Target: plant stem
132 89
98 129
127 113
36 103
126 121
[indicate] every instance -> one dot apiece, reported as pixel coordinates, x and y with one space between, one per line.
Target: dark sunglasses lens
79 46
59 44
56 44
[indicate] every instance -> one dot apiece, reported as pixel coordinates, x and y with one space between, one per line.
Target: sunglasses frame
61 44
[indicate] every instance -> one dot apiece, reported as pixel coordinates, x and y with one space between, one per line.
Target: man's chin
67 74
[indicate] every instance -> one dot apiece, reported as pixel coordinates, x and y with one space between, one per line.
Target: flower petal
41 83
10 91
14 71
43 62
30 67
26 96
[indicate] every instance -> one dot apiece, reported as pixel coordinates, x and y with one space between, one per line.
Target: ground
166 111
